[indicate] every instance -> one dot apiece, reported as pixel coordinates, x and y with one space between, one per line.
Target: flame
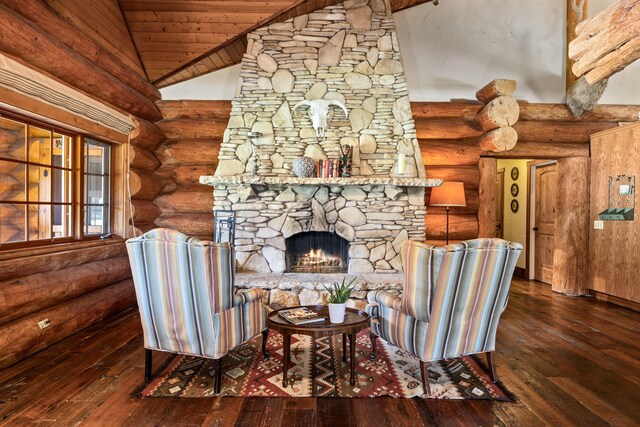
316 254
317 259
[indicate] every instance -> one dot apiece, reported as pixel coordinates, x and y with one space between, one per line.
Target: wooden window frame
84 173
77 176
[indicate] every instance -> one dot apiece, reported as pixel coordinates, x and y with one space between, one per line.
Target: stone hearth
291 289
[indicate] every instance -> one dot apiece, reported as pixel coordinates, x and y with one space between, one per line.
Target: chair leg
218 375
424 373
372 337
344 347
492 367
265 336
148 365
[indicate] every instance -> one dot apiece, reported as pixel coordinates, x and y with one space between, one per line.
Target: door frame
531 215
501 206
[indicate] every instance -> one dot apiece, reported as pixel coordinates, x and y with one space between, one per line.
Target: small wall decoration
515 173
621 200
347 154
514 206
514 189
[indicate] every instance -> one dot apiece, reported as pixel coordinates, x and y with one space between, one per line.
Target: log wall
76 284
194 131
448 136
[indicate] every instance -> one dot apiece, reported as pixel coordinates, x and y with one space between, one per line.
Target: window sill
7 254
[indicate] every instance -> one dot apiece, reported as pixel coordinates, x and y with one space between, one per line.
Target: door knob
535 228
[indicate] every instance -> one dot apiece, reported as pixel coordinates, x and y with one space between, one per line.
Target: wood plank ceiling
178 40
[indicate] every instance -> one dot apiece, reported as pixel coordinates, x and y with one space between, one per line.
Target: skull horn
341 105
304 102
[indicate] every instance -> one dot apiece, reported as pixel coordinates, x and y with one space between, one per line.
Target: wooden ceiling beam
607 42
577 11
235 47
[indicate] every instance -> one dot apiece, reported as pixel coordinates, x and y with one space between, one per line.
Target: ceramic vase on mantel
336 312
303 166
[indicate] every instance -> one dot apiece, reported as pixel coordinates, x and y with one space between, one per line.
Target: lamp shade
448 194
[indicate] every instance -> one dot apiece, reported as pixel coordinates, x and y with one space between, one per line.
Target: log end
497 87
499 140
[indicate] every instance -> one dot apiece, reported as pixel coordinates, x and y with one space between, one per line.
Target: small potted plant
338 296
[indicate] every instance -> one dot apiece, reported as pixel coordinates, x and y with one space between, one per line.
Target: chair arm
245 296
387 299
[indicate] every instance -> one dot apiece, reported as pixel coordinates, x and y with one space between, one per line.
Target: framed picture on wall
514 206
514 189
515 173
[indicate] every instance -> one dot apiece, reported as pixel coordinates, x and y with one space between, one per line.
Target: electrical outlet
44 323
598 225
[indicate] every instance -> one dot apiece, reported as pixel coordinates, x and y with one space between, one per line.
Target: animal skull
318 112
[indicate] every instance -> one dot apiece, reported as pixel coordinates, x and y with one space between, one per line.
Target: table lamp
448 194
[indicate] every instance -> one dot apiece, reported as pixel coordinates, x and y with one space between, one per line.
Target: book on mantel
300 316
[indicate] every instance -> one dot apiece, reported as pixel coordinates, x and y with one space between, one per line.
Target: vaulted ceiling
179 35
179 40
170 41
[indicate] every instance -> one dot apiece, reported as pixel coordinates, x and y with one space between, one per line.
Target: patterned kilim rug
394 373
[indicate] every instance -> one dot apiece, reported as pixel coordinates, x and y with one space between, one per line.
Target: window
42 174
97 157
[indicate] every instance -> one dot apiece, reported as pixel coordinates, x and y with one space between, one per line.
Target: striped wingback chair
187 301
451 302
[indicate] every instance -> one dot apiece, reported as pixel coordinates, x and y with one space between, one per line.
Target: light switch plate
598 225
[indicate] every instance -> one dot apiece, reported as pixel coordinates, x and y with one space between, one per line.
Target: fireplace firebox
317 252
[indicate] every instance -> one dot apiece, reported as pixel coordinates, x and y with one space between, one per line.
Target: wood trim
530 211
616 129
121 211
527 262
42 111
600 296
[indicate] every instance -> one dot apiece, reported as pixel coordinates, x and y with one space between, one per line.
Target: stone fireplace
349 53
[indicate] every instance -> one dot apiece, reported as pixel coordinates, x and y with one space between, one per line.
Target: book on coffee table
300 316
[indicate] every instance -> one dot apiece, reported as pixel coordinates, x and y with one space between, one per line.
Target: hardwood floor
570 361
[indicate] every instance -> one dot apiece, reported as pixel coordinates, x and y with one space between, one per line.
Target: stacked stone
374 219
347 52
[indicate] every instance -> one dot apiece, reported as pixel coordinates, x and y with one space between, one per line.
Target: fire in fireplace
317 252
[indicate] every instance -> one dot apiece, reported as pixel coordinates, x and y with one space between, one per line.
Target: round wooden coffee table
354 322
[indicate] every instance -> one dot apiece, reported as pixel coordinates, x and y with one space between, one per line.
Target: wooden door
546 179
500 203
